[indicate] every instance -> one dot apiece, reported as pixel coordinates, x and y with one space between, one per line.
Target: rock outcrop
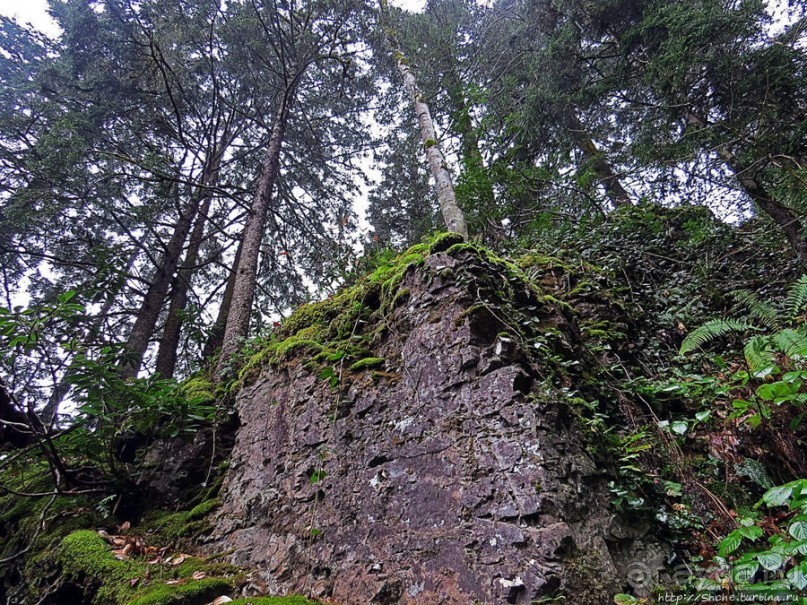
452 473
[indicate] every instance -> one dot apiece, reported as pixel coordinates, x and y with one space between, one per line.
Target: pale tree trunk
452 213
246 272
787 220
598 162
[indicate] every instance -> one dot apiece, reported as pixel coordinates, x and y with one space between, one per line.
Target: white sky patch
412 6
32 12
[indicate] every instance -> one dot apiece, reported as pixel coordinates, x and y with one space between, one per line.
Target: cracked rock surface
450 476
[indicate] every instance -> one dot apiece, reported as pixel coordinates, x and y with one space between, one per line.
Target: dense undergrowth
696 443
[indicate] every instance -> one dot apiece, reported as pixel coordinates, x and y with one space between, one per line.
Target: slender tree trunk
146 321
169 342
452 213
149 313
246 271
789 222
60 390
216 337
598 162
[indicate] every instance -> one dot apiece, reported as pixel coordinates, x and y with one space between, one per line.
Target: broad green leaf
777 496
730 543
770 560
798 530
797 578
752 533
742 574
679 427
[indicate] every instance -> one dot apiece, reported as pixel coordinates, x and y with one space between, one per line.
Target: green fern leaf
711 330
792 343
758 353
768 315
796 297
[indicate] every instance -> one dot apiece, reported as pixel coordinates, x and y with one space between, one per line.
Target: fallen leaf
221 600
124 527
172 582
179 560
198 575
133 582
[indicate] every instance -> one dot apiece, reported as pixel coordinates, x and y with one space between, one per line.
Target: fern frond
792 343
712 329
768 315
758 353
796 297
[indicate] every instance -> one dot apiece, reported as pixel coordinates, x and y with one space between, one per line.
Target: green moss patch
184 524
367 363
87 560
344 326
289 600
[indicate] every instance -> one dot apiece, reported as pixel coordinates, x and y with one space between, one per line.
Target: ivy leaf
703 416
679 427
317 476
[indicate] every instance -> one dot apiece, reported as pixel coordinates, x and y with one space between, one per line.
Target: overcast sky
35 11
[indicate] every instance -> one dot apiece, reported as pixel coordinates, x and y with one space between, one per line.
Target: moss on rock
367 363
87 560
288 600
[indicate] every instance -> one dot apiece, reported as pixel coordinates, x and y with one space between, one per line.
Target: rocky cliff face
451 472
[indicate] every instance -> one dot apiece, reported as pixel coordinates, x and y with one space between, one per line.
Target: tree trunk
149 313
169 342
452 213
59 392
598 162
790 223
246 271
216 337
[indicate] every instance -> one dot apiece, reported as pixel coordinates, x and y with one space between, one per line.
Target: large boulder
445 470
